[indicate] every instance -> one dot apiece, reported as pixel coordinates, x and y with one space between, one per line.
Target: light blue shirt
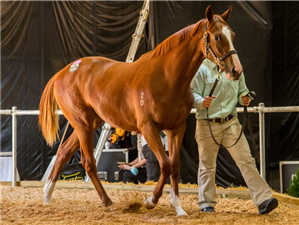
228 93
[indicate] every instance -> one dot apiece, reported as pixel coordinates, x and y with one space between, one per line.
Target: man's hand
124 167
208 101
246 100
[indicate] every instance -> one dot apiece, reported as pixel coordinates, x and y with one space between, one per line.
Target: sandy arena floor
21 205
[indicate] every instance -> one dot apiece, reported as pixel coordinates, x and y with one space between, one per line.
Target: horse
152 94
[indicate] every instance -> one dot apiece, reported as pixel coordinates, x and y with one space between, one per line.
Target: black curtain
37 40
40 38
284 144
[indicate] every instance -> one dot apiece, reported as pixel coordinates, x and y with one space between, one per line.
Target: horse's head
219 43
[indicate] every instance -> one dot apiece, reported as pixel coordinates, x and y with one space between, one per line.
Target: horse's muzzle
236 74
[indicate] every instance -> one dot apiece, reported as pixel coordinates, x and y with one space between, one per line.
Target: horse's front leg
175 138
151 135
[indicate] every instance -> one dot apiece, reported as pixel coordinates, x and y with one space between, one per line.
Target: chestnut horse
152 94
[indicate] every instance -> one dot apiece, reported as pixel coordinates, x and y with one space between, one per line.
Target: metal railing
261 109
14 114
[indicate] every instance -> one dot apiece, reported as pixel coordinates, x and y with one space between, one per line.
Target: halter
209 49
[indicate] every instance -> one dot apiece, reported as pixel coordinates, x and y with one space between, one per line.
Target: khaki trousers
226 133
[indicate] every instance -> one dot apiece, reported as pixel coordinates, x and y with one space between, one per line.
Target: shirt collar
212 64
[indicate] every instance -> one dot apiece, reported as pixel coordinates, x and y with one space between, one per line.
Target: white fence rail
261 109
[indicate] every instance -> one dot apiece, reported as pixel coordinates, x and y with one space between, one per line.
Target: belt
222 120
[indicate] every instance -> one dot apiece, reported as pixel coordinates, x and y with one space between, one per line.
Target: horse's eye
216 38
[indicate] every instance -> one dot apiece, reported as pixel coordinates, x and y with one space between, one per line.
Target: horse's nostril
234 71
235 74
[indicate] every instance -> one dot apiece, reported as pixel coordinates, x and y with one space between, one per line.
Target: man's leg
207 150
142 177
152 164
129 177
120 175
259 189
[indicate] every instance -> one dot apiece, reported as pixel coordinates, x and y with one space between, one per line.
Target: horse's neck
186 61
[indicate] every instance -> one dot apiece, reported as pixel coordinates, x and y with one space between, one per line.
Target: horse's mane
175 39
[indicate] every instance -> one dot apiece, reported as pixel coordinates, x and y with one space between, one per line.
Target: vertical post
139 146
262 141
127 156
14 146
138 31
100 145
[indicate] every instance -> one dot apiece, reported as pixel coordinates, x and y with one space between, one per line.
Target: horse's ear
226 14
209 17
209 13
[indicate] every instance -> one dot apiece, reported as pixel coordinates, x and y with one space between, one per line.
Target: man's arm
196 89
135 163
243 90
197 86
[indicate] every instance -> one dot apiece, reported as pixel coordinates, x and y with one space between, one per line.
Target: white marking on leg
48 190
175 203
148 203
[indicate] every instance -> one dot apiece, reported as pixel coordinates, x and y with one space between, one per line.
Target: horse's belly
117 116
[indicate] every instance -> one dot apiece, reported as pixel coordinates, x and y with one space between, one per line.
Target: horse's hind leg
88 163
83 124
175 138
66 151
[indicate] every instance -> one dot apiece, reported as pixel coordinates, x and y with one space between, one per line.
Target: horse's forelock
216 19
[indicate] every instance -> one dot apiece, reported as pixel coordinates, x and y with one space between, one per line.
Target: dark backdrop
40 38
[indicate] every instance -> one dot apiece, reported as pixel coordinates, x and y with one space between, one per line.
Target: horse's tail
48 120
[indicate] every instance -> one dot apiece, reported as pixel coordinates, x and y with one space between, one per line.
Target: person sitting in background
134 172
152 169
152 163
119 138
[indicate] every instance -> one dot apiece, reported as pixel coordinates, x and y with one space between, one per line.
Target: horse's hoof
148 203
47 200
181 213
179 210
107 203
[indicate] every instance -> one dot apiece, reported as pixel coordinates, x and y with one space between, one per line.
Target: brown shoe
268 205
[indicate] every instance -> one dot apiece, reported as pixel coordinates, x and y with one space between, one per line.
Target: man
134 172
226 131
152 163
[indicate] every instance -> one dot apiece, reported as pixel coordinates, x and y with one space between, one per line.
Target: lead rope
242 130
245 118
